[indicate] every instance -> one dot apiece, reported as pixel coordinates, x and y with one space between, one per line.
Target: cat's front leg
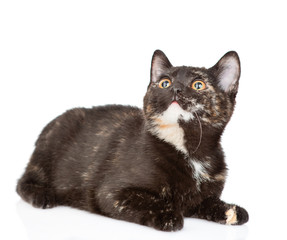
146 208
216 210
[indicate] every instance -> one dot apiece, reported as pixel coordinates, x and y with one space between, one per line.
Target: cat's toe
242 215
168 222
236 216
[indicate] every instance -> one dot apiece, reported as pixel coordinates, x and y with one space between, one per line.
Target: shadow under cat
64 223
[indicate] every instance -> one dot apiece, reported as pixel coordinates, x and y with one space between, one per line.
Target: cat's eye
164 83
198 85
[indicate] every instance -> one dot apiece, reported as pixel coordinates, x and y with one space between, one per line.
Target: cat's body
152 166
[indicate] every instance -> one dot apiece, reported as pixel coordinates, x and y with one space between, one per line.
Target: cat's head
185 91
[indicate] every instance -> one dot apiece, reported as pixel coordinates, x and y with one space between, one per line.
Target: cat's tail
33 186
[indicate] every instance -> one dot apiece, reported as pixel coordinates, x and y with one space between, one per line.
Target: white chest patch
200 173
166 126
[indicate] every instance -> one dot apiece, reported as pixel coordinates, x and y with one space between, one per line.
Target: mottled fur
151 167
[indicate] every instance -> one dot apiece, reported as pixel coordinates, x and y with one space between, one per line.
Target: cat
153 166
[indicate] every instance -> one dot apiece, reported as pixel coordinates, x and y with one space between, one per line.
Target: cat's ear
227 72
159 65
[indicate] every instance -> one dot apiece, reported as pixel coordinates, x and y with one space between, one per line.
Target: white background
56 55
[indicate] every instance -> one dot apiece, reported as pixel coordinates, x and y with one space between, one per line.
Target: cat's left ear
159 65
227 72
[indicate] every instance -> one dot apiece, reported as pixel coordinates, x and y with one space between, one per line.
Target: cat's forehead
185 72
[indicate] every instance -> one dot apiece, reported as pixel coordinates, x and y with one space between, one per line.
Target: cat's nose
177 89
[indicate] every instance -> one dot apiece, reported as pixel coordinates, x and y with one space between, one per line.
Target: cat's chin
174 112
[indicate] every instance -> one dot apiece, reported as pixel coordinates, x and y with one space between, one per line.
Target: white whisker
200 137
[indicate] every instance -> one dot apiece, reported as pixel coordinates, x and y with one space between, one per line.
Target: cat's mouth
178 100
187 104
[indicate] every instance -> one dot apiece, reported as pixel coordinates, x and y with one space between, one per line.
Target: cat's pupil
165 84
198 85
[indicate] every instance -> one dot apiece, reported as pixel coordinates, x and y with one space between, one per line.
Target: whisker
200 137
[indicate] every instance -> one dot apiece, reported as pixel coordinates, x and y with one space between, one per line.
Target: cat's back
109 119
90 123
113 115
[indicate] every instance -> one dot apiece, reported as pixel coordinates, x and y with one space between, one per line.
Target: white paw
231 217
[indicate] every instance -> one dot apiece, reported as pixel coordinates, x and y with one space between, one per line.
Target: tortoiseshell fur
153 166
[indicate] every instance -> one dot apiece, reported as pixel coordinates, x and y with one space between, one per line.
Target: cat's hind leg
216 210
34 185
37 184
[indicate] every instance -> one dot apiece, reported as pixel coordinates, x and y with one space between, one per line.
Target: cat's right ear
159 65
227 72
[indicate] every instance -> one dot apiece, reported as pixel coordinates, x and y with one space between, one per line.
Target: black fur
125 163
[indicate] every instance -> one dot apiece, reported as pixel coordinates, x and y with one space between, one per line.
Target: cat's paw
38 196
236 216
168 222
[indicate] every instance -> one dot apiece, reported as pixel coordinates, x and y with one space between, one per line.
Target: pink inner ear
160 64
157 69
230 74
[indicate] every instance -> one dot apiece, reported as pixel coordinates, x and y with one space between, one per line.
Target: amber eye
198 85
164 83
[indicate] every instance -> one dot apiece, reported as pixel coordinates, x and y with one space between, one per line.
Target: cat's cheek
149 109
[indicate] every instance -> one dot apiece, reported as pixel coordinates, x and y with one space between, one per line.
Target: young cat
153 166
